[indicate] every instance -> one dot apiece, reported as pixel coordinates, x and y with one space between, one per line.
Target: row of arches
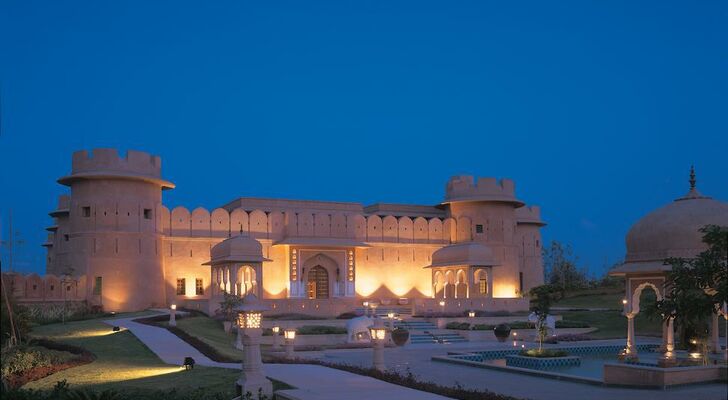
275 225
454 284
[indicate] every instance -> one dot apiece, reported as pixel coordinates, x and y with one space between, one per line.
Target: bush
483 327
292 317
543 353
461 326
348 315
50 313
320 330
502 332
37 359
571 324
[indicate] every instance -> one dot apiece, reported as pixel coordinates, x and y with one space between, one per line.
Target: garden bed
38 359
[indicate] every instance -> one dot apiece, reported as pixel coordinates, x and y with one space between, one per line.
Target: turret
114 229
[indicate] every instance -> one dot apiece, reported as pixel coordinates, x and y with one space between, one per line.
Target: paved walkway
312 381
417 359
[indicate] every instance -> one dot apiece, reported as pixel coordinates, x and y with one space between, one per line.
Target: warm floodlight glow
515 334
471 314
390 315
173 306
442 303
365 304
378 333
624 301
693 341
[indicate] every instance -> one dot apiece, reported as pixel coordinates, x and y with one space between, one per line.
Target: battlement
108 163
110 160
529 215
465 188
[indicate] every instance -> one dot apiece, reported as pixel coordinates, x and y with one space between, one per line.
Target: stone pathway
313 382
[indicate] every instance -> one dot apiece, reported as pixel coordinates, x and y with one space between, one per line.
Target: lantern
378 332
471 314
276 329
289 334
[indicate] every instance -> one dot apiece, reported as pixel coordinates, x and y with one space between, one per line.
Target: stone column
234 280
630 335
378 357
489 277
715 334
670 340
252 377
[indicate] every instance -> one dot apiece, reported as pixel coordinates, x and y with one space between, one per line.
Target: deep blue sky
595 109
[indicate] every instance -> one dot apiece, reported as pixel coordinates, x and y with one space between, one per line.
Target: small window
86 211
97 285
35 287
52 287
483 286
199 289
66 237
147 213
181 287
68 288
478 228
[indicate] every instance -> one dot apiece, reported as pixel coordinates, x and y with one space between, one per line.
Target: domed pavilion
670 231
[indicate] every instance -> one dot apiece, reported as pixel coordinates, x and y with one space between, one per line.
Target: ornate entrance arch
317 285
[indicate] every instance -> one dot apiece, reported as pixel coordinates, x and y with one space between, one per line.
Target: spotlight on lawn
189 363
116 329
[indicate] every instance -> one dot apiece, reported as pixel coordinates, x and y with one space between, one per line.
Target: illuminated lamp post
366 308
172 315
471 314
252 379
378 334
290 336
276 339
391 317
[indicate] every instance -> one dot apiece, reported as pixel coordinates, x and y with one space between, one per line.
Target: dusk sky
595 109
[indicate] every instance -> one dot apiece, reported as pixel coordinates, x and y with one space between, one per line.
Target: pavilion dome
466 253
237 249
674 229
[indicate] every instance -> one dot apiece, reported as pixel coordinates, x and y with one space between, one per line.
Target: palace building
113 243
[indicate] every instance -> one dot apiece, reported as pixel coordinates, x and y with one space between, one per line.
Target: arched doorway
318 283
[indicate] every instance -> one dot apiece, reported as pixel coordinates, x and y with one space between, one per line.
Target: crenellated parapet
109 164
464 188
529 215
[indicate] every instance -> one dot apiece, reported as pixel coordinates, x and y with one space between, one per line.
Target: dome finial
692 177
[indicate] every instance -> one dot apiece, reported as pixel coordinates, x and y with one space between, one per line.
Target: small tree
560 267
542 297
228 304
695 288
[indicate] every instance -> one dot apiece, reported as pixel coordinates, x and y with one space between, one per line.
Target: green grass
211 332
601 300
612 324
124 363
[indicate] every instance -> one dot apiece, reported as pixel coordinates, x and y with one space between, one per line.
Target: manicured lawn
600 300
124 363
211 332
612 324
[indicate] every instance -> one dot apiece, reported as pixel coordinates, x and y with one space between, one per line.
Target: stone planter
400 336
543 362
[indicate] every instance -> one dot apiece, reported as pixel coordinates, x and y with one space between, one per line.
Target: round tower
484 212
114 230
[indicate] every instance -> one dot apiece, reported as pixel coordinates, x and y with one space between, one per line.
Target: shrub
461 326
571 337
571 324
320 330
49 313
502 332
543 353
292 317
483 327
37 359
348 315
